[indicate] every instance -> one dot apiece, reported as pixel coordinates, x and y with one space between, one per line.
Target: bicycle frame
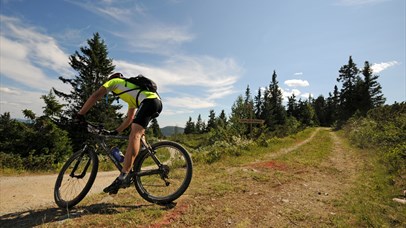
100 140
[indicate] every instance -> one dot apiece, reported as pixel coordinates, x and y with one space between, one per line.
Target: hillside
171 130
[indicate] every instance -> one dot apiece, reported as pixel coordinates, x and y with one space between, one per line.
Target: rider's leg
137 131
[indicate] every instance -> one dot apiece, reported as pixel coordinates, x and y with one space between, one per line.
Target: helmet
116 75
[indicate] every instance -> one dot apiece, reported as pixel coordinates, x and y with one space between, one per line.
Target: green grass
311 154
369 203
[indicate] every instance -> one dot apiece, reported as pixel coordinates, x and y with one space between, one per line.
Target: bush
384 130
11 161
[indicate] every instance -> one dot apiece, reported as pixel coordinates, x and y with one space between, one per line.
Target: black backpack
143 84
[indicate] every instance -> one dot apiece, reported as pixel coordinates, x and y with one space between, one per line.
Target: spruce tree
348 75
200 125
190 127
222 119
292 106
274 111
258 101
211 123
372 96
53 108
93 67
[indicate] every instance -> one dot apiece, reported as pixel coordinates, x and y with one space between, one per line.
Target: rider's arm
92 100
127 121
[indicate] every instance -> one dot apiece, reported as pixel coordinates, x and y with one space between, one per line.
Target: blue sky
202 54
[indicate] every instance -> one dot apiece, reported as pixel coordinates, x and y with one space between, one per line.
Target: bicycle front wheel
76 178
168 182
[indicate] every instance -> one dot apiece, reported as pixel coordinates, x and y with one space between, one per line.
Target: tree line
360 92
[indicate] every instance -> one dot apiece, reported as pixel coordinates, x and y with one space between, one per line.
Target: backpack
143 84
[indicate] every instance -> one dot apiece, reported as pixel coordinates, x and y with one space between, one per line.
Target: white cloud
9 91
298 73
215 78
297 83
378 67
288 93
25 52
16 100
189 102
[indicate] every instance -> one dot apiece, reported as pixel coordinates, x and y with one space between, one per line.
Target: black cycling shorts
148 109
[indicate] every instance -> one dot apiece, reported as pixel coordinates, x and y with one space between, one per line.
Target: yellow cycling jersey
119 85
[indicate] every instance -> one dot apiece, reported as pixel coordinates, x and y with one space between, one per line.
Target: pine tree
93 66
53 108
348 75
274 111
200 125
292 106
320 107
211 123
249 104
190 127
371 91
258 101
238 110
222 119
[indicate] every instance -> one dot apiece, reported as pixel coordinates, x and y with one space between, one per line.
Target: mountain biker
142 107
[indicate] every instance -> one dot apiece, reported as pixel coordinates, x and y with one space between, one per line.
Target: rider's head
115 75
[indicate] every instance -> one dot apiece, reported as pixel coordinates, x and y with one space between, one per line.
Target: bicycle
161 172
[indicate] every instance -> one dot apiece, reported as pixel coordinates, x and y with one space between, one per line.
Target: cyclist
142 107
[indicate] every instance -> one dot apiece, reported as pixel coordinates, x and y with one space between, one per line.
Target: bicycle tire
152 187
78 185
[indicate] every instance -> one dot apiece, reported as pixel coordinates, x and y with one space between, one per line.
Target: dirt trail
273 194
23 193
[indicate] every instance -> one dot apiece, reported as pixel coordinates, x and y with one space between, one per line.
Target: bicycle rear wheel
76 178
163 184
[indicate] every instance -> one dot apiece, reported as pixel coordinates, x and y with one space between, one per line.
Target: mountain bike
161 172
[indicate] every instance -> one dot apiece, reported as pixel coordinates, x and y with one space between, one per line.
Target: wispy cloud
138 29
297 83
298 74
15 100
26 51
9 91
27 57
378 67
214 78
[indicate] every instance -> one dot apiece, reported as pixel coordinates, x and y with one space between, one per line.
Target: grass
222 192
369 203
311 154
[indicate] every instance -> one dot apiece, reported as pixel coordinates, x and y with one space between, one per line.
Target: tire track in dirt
294 147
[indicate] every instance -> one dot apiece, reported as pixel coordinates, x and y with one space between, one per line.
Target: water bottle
117 154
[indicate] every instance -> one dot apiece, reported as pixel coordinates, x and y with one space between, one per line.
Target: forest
356 105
